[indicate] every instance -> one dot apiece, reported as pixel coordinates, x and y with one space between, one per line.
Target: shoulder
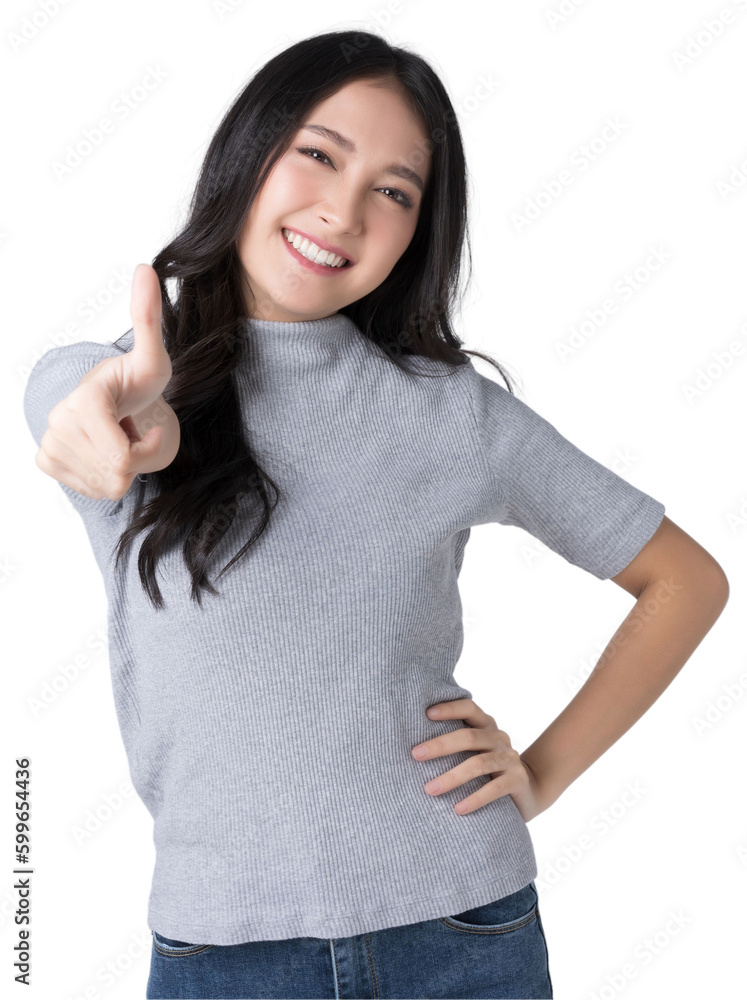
492 402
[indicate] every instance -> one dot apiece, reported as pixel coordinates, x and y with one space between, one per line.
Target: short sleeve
543 483
53 377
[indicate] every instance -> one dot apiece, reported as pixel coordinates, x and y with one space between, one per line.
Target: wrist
544 791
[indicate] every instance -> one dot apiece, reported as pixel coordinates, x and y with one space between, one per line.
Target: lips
322 244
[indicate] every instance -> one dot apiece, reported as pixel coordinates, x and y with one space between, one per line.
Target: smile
313 255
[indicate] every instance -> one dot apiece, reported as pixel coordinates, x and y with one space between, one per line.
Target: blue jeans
495 950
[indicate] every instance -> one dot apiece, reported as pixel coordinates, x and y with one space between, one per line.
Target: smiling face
359 194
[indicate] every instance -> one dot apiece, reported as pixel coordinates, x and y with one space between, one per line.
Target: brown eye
405 199
313 149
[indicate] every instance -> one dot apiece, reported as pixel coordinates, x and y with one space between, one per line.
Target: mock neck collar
337 329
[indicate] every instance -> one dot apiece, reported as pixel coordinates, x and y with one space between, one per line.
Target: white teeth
312 252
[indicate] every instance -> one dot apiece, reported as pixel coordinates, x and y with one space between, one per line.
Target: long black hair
408 314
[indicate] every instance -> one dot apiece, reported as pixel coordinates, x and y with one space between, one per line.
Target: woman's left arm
680 591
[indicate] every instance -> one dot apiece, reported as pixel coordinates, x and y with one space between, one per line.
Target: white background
662 381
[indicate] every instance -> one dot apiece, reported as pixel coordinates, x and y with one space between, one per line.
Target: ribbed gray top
269 734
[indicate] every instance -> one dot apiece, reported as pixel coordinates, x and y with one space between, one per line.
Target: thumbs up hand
116 423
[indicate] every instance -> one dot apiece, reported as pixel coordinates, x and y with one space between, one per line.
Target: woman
303 416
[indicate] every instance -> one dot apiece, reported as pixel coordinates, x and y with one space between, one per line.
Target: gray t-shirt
270 733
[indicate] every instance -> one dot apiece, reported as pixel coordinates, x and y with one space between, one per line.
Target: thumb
145 371
148 350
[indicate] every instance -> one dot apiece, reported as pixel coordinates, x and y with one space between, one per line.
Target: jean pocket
177 949
501 916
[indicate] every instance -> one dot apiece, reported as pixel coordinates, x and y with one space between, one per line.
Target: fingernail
420 752
433 786
432 713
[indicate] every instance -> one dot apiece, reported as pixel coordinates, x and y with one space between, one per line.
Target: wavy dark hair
408 314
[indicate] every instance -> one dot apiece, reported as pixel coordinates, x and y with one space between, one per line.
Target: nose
342 212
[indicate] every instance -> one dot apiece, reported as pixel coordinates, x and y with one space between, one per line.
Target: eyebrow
397 169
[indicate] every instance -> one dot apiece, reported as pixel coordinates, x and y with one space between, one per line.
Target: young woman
298 420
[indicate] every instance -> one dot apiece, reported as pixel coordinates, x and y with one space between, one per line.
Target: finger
145 452
450 709
137 426
85 434
122 450
92 478
478 766
135 456
459 739
460 708
129 452
489 792
70 444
